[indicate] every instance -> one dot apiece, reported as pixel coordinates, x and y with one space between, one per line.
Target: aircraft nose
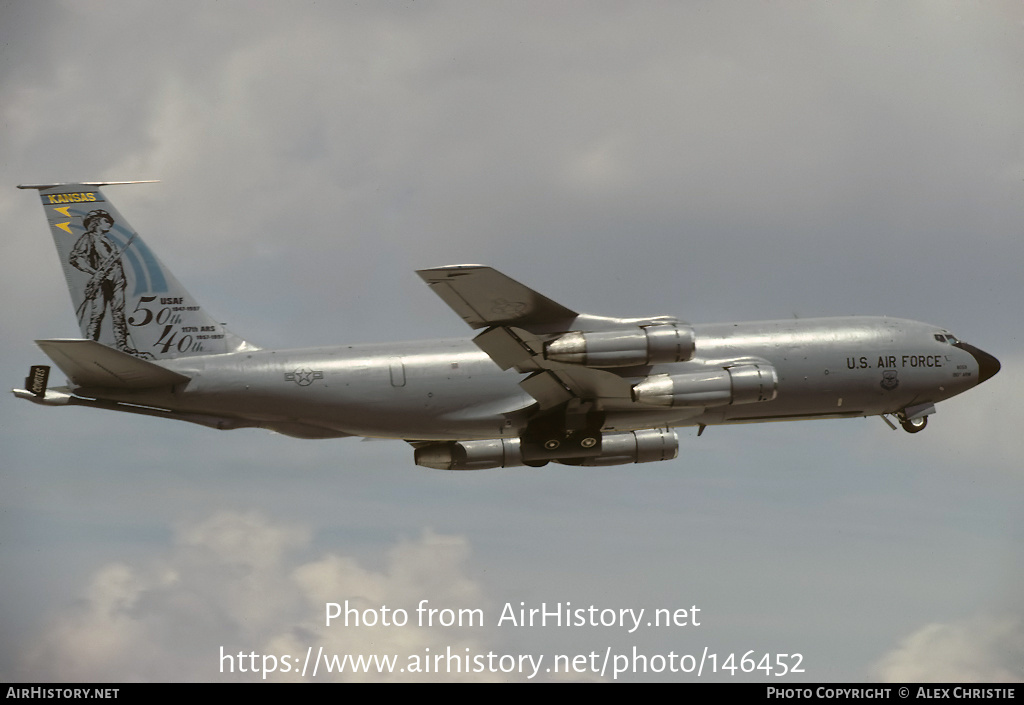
987 364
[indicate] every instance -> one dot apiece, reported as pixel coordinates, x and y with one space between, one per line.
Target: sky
712 161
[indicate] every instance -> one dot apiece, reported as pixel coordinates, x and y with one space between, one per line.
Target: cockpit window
946 338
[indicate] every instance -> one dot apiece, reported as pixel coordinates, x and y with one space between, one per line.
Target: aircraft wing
520 322
484 297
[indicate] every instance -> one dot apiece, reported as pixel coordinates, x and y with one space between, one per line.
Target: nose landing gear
914 425
913 419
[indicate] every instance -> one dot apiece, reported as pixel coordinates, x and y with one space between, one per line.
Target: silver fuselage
449 389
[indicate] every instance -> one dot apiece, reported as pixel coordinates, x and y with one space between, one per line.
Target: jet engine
648 345
742 384
470 455
621 448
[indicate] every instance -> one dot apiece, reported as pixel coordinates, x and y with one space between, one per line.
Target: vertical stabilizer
124 297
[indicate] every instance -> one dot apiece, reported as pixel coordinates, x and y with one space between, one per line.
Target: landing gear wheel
914 425
535 463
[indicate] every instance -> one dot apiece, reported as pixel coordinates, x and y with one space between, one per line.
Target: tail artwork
123 295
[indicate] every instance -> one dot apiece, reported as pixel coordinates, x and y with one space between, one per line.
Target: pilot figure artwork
539 383
95 255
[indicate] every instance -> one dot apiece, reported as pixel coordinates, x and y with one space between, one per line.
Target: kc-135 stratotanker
540 382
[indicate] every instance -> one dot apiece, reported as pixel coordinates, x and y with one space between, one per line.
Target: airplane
539 383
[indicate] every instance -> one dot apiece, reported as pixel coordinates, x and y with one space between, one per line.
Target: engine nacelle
645 446
470 455
655 344
742 384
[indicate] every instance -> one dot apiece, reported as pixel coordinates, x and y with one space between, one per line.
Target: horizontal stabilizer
44 187
91 364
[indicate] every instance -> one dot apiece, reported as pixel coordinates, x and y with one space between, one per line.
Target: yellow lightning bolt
66 227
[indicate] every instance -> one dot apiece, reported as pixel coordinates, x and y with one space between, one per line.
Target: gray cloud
233 582
985 649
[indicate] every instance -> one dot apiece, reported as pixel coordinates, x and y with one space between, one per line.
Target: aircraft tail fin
124 296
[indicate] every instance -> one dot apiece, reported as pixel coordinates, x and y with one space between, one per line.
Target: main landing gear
572 431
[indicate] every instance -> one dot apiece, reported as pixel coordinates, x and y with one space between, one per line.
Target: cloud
231 585
983 649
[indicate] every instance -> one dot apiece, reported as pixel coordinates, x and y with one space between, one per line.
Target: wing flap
91 364
509 347
547 389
